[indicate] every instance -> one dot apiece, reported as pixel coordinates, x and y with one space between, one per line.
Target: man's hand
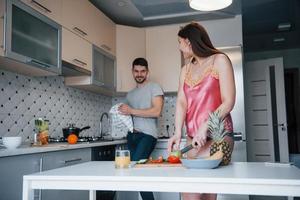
125 109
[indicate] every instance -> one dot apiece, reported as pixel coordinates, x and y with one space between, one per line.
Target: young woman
206 85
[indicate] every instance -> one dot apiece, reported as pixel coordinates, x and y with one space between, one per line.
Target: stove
80 139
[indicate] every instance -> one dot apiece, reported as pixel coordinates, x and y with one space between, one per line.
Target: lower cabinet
59 159
12 170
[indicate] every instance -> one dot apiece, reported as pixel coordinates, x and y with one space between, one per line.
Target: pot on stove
73 130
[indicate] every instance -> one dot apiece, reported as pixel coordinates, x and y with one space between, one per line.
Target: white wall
225 32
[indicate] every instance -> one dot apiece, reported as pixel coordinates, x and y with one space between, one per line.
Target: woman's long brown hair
199 39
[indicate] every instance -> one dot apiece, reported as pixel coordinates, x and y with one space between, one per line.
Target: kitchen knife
186 149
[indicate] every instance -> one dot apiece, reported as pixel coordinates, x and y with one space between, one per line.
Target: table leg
92 195
28 193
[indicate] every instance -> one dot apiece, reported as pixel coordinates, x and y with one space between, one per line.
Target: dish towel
119 120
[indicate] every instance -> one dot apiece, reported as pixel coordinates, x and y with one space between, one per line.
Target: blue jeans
141 146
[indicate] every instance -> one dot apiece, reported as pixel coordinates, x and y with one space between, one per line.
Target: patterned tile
23 98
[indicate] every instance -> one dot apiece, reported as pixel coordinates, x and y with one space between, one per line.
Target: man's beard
140 79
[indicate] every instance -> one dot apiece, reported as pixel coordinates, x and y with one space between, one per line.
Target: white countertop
27 149
236 178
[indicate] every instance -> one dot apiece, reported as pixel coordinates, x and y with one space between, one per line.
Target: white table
237 178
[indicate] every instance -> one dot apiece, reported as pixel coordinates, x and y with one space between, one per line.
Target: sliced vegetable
173 159
159 160
142 161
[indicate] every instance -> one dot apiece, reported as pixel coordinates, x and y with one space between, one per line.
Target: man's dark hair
140 61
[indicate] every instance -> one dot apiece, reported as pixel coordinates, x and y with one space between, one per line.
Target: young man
144 103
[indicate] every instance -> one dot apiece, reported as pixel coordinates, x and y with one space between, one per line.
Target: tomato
159 160
173 159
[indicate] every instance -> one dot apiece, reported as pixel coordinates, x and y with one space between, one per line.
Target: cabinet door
164 56
126 53
84 19
58 159
76 14
2 7
103 73
12 170
105 33
49 8
76 50
32 38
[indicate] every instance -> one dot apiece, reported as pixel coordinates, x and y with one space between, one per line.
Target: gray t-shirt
141 98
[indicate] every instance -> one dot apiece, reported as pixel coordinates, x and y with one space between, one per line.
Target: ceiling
260 18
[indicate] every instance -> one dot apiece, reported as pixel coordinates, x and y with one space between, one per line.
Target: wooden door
266 111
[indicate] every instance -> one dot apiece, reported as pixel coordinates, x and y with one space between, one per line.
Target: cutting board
164 164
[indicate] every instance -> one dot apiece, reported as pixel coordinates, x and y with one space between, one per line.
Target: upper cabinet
130 45
84 19
49 8
103 74
163 56
76 50
2 9
31 39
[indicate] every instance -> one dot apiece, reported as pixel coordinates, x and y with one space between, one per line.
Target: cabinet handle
79 61
44 8
4 31
40 170
72 160
104 46
78 30
38 63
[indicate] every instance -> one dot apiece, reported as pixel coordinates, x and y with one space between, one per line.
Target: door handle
282 125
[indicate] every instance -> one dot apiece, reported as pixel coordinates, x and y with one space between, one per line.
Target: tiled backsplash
23 98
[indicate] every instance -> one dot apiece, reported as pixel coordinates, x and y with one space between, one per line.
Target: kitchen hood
69 69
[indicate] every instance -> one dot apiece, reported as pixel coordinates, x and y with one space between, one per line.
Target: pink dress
203 97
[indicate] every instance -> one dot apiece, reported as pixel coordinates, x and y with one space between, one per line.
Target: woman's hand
173 143
200 138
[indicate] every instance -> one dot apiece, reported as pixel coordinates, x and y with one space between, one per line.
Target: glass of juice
122 158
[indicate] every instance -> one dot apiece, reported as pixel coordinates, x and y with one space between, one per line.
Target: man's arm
154 111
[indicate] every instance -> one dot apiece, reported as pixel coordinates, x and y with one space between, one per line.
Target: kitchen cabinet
49 8
126 52
59 159
103 72
103 76
163 56
76 50
2 10
32 41
12 170
84 19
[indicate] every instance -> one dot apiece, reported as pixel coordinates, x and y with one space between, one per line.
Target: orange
72 139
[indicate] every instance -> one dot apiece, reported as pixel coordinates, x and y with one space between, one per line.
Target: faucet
100 124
